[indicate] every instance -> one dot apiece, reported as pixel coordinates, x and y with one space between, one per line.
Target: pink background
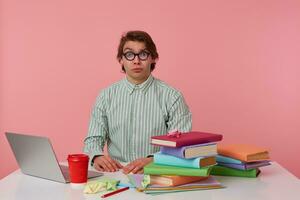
236 62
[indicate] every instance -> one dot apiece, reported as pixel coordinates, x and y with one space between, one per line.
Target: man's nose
136 60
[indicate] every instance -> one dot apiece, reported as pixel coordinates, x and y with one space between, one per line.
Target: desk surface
273 183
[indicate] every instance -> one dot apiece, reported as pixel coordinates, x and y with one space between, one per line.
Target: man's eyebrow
128 49
133 50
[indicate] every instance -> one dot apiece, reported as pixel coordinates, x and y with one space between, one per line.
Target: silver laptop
36 157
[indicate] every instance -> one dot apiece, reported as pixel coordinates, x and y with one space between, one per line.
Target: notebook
36 157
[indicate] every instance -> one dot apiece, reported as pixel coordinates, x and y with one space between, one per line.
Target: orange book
244 152
165 180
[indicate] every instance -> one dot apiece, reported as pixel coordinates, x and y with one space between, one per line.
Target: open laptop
36 157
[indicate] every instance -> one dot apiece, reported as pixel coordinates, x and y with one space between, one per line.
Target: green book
155 169
226 171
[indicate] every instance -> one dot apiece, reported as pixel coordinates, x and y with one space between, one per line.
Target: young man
129 112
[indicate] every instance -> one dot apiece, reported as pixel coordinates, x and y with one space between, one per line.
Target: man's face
137 67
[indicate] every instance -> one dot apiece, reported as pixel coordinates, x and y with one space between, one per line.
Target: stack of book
184 162
171 184
240 160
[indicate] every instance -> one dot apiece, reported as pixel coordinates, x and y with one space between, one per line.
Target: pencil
115 192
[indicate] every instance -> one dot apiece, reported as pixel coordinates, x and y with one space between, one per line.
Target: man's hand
106 164
137 166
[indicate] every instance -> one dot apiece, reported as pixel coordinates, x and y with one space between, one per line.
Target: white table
273 183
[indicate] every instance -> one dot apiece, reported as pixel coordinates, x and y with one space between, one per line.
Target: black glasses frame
136 54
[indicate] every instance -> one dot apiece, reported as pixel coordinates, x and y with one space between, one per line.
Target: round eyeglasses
143 55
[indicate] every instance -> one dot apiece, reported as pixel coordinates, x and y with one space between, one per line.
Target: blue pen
125 185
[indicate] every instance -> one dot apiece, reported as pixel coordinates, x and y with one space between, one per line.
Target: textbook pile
240 160
184 163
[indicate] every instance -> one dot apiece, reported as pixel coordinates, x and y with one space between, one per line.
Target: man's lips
137 69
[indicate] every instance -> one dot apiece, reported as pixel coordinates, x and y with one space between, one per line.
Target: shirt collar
143 86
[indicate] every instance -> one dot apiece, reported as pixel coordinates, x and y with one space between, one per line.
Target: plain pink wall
236 63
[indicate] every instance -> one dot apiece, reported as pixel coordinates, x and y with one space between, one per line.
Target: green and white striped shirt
127 115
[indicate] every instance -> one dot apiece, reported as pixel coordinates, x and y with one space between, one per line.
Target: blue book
200 162
225 159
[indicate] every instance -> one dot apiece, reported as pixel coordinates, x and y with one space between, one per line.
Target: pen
121 185
115 192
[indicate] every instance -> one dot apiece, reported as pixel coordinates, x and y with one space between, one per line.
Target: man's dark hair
139 36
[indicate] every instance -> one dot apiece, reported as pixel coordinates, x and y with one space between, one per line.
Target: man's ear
121 62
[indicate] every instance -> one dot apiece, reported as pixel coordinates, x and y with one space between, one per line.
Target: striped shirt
127 115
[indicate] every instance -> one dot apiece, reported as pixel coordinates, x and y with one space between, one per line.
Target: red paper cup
78 167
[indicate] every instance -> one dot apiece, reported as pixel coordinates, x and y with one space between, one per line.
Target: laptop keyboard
66 173
64 169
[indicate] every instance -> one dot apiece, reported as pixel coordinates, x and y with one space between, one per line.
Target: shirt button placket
132 122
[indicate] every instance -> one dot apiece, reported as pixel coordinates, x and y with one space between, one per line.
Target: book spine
225 171
235 166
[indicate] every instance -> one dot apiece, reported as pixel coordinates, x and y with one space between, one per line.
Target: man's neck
137 81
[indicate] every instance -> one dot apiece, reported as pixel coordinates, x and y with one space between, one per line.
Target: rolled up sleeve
98 129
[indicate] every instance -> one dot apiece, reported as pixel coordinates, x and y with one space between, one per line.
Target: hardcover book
226 171
244 152
209 183
164 180
226 159
191 151
185 139
204 183
245 166
200 162
155 169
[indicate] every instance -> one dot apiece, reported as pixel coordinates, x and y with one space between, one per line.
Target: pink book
185 139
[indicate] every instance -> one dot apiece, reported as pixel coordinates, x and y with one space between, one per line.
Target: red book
185 139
